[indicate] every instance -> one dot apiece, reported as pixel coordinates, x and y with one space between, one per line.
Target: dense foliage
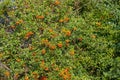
60 40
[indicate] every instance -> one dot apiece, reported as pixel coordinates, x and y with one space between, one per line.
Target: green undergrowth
60 40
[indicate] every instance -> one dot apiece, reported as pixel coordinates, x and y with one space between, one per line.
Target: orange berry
57 2
21 21
43 62
61 20
40 17
17 23
7 73
26 78
67 41
52 47
68 33
50 30
34 73
46 69
43 78
43 51
28 35
13 27
66 19
31 47
65 74
18 60
72 52
60 45
45 42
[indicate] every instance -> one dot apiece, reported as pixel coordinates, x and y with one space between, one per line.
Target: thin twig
4 66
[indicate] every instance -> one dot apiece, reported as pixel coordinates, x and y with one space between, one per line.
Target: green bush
61 40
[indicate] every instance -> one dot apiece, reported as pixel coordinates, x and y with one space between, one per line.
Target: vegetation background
60 40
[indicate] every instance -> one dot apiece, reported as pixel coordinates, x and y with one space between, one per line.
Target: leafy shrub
61 40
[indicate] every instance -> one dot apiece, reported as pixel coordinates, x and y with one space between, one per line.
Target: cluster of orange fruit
43 51
52 47
7 73
68 33
65 74
36 77
57 2
66 19
60 45
12 27
19 22
39 17
28 35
